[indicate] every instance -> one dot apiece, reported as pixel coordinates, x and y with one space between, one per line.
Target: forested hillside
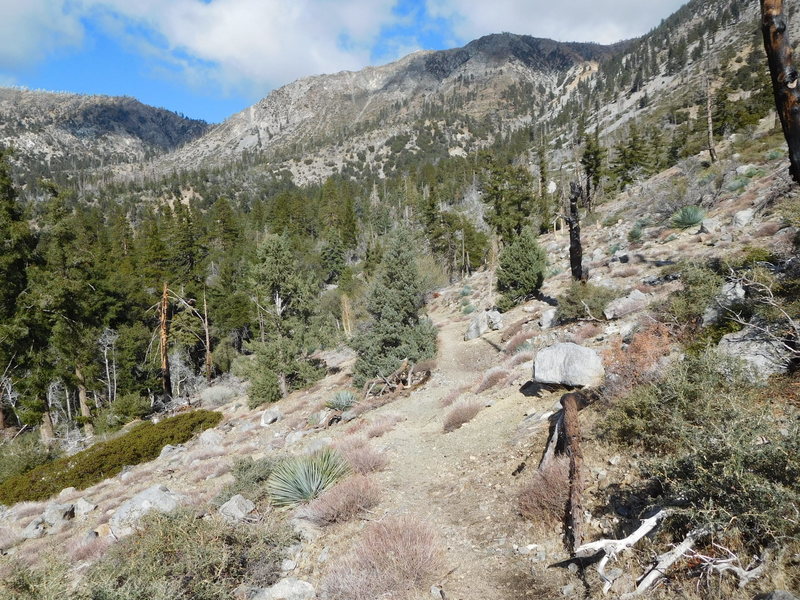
386 253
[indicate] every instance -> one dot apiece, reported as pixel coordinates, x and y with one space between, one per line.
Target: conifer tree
396 331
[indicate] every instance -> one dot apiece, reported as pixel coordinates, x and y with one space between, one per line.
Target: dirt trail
462 482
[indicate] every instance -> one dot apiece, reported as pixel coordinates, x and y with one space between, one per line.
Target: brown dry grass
90 549
631 366
453 395
9 537
514 329
515 342
587 331
519 358
544 498
491 378
768 229
394 558
382 425
362 457
342 502
460 414
627 272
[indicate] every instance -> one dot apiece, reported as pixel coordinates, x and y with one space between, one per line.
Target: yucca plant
688 216
342 400
304 478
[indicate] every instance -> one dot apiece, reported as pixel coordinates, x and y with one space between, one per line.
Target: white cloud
31 29
249 43
603 21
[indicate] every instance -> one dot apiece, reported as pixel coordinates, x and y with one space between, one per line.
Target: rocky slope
56 132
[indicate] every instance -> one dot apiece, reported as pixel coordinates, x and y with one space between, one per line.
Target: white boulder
568 364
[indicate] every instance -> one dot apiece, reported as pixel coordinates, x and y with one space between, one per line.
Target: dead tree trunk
712 153
46 431
784 78
573 221
208 338
572 403
83 402
166 381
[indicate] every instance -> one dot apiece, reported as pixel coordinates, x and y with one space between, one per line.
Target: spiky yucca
304 478
688 216
342 400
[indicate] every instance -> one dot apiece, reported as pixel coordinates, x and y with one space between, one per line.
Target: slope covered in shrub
105 459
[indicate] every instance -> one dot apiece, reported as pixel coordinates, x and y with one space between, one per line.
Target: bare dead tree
712 153
573 221
572 403
166 383
784 78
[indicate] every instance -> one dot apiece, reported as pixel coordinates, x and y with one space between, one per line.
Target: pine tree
592 161
396 331
521 271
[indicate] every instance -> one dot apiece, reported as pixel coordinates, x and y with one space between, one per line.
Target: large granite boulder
765 354
288 589
568 364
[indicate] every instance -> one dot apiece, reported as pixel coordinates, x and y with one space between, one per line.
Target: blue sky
211 58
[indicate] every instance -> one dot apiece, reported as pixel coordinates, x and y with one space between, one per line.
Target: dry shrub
9 538
382 425
202 454
631 366
24 510
90 549
453 395
519 358
393 559
362 457
460 414
587 331
627 272
545 497
514 329
491 378
518 340
768 229
210 470
425 365
342 502
356 426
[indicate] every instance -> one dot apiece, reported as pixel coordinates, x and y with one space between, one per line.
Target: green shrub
635 234
249 479
303 478
105 459
521 271
465 291
468 309
181 557
714 450
23 454
700 286
342 400
50 581
123 410
736 184
687 217
573 304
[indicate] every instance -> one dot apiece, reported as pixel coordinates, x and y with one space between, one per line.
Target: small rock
349 415
494 319
56 515
746 170
35 529
324 555
708 225
548 318
66 492
294 436
83 507
305 529
318 445
621 307
477 327
568 590
236 509
170 450
103 530
270 416
156 497
287 589
210 437
743 217
288 565
765 355
437 592
615 460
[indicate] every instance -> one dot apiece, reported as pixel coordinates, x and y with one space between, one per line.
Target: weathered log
784 78
572 403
